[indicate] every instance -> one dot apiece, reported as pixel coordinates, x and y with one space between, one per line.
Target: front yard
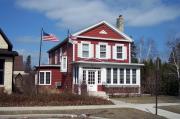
149 99
119 113
50 100
173 108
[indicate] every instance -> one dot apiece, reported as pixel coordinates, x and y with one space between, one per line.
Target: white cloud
79 13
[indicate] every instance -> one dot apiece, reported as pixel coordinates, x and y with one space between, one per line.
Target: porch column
80 80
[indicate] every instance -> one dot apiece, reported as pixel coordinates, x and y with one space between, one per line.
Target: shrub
50 100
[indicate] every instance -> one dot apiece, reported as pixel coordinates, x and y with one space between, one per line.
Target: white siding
3 44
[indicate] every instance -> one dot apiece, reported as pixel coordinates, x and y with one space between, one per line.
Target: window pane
102 51
85 53
122 76
119 55
85 47
1 77
127 76
134 76
47 77
41 78
84 76
115 75
1 64
108 76
119 48
64 63
1 71
99 76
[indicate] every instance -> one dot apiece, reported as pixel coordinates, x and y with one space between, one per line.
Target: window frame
47 71
102 44
121 76
134 76
85 43
62 64
108 76
116 52
129 76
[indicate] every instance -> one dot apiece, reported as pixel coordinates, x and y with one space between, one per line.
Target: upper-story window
102 51
85 50
119 52
64 64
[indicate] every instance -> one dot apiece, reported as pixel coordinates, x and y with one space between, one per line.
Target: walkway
118 104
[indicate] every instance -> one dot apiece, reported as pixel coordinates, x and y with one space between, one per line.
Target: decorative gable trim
103 32
109 25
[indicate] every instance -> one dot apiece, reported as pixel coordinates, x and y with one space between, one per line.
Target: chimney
120 23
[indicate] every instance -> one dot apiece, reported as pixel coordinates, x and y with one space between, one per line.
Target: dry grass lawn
149 99
173 108
121 113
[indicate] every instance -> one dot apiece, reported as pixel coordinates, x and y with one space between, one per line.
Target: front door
91 80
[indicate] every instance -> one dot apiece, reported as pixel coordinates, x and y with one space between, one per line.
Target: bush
50 100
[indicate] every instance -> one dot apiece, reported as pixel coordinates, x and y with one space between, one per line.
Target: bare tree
174 45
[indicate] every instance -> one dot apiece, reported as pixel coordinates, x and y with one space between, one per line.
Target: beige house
6 63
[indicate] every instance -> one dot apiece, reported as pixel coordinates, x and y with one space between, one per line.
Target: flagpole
39 60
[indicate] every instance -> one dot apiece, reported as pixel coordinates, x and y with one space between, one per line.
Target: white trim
121 45
45 71
100 38
49 65
103 32
104 22
64 69
110 63
102 43
129 52
73 52
85 42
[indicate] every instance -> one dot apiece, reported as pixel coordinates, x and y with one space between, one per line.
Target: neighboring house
96 60
6 63
19 74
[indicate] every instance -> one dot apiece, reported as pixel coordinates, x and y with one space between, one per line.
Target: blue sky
22 20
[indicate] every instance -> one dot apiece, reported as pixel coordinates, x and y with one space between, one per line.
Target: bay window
115 76
127 76
134 76
108 81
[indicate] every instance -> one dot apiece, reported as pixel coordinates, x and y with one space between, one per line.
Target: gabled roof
77 34
10 46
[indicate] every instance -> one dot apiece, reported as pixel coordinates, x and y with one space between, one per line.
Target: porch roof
108 63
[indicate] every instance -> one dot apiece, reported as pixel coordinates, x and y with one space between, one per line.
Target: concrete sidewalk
118 104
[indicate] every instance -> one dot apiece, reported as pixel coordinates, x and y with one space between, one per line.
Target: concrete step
98 94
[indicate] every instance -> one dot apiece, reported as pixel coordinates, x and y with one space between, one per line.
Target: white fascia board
110 63
109 39
112 27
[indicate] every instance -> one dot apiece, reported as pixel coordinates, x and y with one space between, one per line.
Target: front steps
101 94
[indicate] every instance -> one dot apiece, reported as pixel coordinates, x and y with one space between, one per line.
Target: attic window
102 32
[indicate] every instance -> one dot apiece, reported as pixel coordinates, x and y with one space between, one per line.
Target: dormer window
102 51
85 50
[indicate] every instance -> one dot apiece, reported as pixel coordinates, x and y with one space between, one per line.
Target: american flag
49 37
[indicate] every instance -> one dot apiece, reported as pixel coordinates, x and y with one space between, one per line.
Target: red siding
94 59
94 32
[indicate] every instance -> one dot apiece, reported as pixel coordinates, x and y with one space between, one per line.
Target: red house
95 60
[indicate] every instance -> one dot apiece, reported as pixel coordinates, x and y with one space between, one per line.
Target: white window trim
106 44
121 45
85 42
62 62
45 77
